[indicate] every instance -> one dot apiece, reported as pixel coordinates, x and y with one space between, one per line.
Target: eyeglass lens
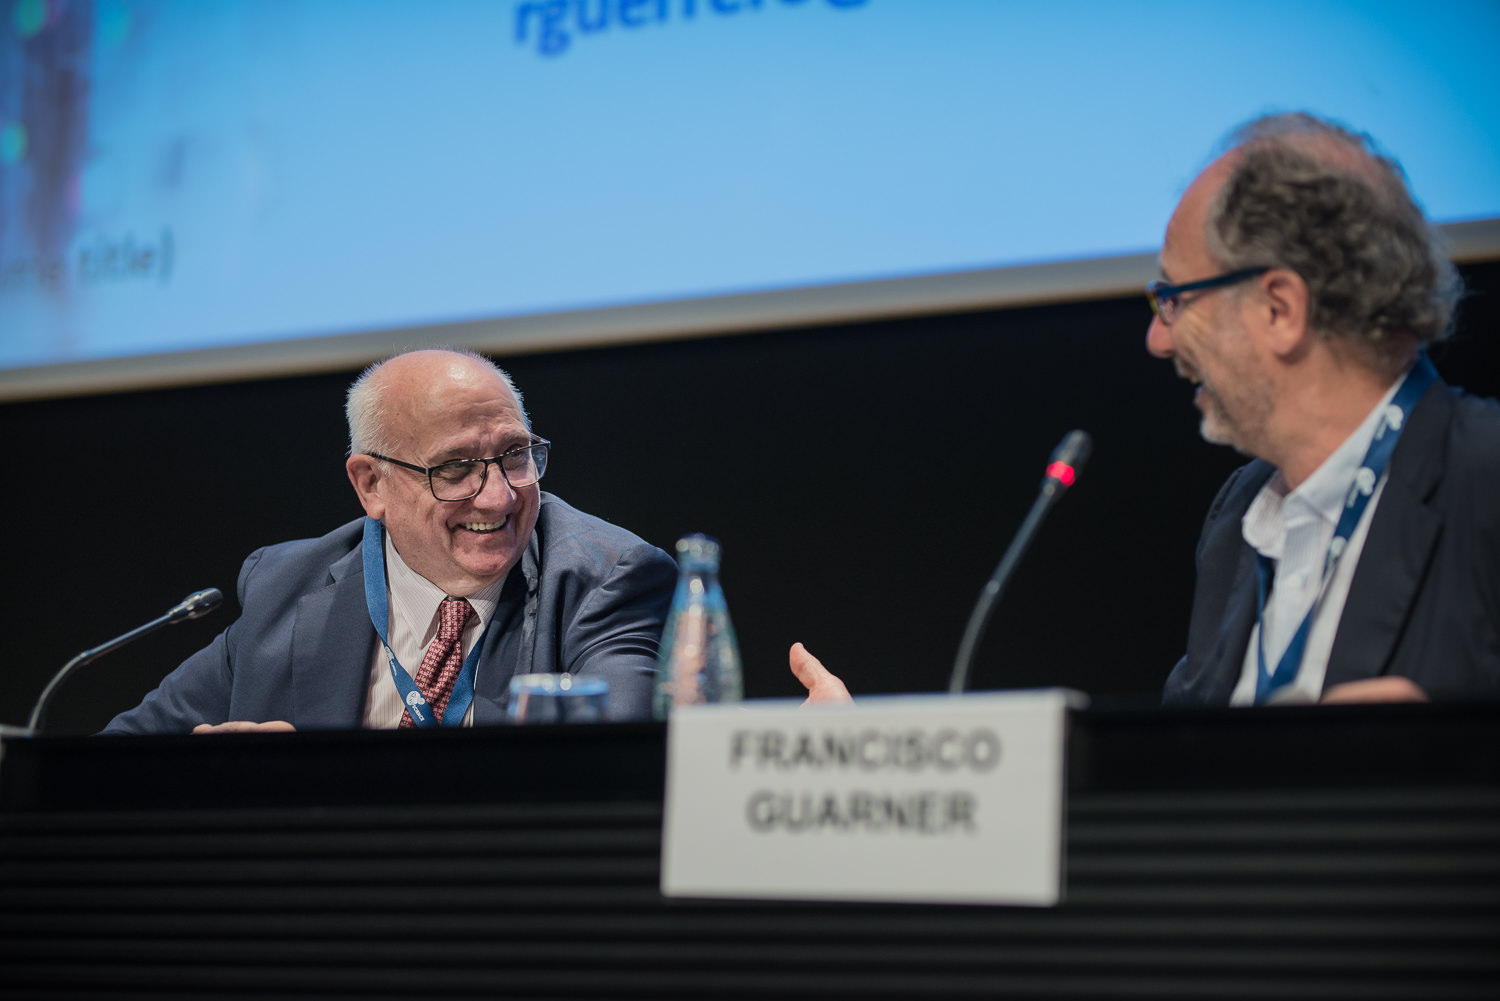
464 478
1164 306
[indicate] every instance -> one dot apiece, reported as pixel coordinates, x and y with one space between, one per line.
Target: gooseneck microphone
194 606
197 604
1062 469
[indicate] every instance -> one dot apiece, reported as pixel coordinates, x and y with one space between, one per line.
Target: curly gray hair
1309 195
365 405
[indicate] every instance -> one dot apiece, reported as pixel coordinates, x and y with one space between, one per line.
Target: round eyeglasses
462 479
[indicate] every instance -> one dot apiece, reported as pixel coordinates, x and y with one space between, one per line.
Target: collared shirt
413 625
1295 528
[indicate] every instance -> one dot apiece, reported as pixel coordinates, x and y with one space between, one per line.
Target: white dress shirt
413 625
1295 529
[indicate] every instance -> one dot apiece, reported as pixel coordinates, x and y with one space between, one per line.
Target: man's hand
820 683
1391 688
244 726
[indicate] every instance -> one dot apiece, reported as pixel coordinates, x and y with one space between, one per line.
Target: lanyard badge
378 603
1377 457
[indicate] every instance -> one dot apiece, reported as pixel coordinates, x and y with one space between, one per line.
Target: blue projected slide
179 176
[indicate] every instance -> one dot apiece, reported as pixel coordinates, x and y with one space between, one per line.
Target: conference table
1307 852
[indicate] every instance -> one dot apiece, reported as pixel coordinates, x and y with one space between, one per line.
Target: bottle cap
698 552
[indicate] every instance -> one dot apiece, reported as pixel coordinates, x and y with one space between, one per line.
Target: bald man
462 575
1358 556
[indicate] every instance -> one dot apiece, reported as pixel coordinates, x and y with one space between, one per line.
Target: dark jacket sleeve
247 671
198 690
604 599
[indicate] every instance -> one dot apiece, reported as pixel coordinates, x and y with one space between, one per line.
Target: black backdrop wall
864 480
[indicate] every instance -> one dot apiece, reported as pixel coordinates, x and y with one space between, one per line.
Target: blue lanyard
1377 457
378 602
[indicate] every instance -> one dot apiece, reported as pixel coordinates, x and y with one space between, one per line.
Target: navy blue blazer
588 597
1424 602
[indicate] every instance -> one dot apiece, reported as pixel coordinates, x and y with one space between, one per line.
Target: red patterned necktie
444 659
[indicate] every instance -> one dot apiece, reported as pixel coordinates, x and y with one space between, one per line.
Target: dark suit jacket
1424 602
588 597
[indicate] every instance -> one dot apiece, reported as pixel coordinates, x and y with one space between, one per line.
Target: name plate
927 798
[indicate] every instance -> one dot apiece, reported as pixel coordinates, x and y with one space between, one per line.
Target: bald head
403 381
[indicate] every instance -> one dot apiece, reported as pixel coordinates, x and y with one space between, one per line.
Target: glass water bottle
700 660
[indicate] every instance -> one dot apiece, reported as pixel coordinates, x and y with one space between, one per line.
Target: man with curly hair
1358 556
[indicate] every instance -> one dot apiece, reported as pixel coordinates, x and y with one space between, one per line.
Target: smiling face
1209 342
440 406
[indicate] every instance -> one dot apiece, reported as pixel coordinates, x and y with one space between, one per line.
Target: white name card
927 798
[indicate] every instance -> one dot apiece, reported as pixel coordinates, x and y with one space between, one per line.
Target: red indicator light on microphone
1062 473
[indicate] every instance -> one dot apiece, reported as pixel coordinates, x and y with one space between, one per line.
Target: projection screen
230 188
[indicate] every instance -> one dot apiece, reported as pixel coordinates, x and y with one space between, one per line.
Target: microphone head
1068 457
197 604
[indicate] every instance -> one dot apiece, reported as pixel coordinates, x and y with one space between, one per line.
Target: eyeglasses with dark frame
462 479
1166 299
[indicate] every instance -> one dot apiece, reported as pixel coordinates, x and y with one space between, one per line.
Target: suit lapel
508 641
1228 657
332 645
1224 600
1403 533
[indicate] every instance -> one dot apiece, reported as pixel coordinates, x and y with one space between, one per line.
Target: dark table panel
1296 853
